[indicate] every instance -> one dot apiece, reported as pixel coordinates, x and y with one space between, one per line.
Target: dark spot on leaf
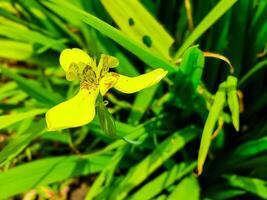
147 41
131 21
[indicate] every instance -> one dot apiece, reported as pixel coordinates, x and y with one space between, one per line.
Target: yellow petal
110 61
134 84
75 55
105 63
75 112
107 82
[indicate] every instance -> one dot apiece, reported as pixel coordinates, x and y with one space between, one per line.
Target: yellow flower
80 109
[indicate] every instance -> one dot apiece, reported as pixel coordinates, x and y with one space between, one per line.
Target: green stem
251 72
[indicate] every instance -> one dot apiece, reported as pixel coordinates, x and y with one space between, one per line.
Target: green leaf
33 88
137 23
15 50
148 165
106 175
226 194
32 37
188 188
163 181
56 136
141 103
251 148
10 86
7 120
253 185
147 56
109 47
259 66
192 64
206 23
232 100
46 171
39 16
210 123
238 39
20 141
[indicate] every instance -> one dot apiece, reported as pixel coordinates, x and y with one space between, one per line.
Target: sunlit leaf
188 188
210 123
46 171
232 100
253 185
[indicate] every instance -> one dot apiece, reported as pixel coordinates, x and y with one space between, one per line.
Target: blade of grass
137 23
259 66
238 38
19 142
253 185
105 174
39 16
141 104
188 188
251 148
153 161
147 56
15 50
125 67
222 7
163 181
213 116
15 18
33 88
226 194
32 37
7 120
46 171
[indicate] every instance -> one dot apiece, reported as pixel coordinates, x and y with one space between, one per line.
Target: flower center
88 74
89 78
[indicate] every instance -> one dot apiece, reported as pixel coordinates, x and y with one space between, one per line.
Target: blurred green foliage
166 132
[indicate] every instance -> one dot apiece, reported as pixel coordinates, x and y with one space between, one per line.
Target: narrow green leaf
109 47
105 175
147 56
163 181
32 37
39 16
210 123
206 23
20 141
161 197
148 165
238 40
33 88
253 185
259 66
56 136
14 17
188 188
232 100
141 104
137 23
46 171
7 120
251 148
15 50
10 86
226 194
